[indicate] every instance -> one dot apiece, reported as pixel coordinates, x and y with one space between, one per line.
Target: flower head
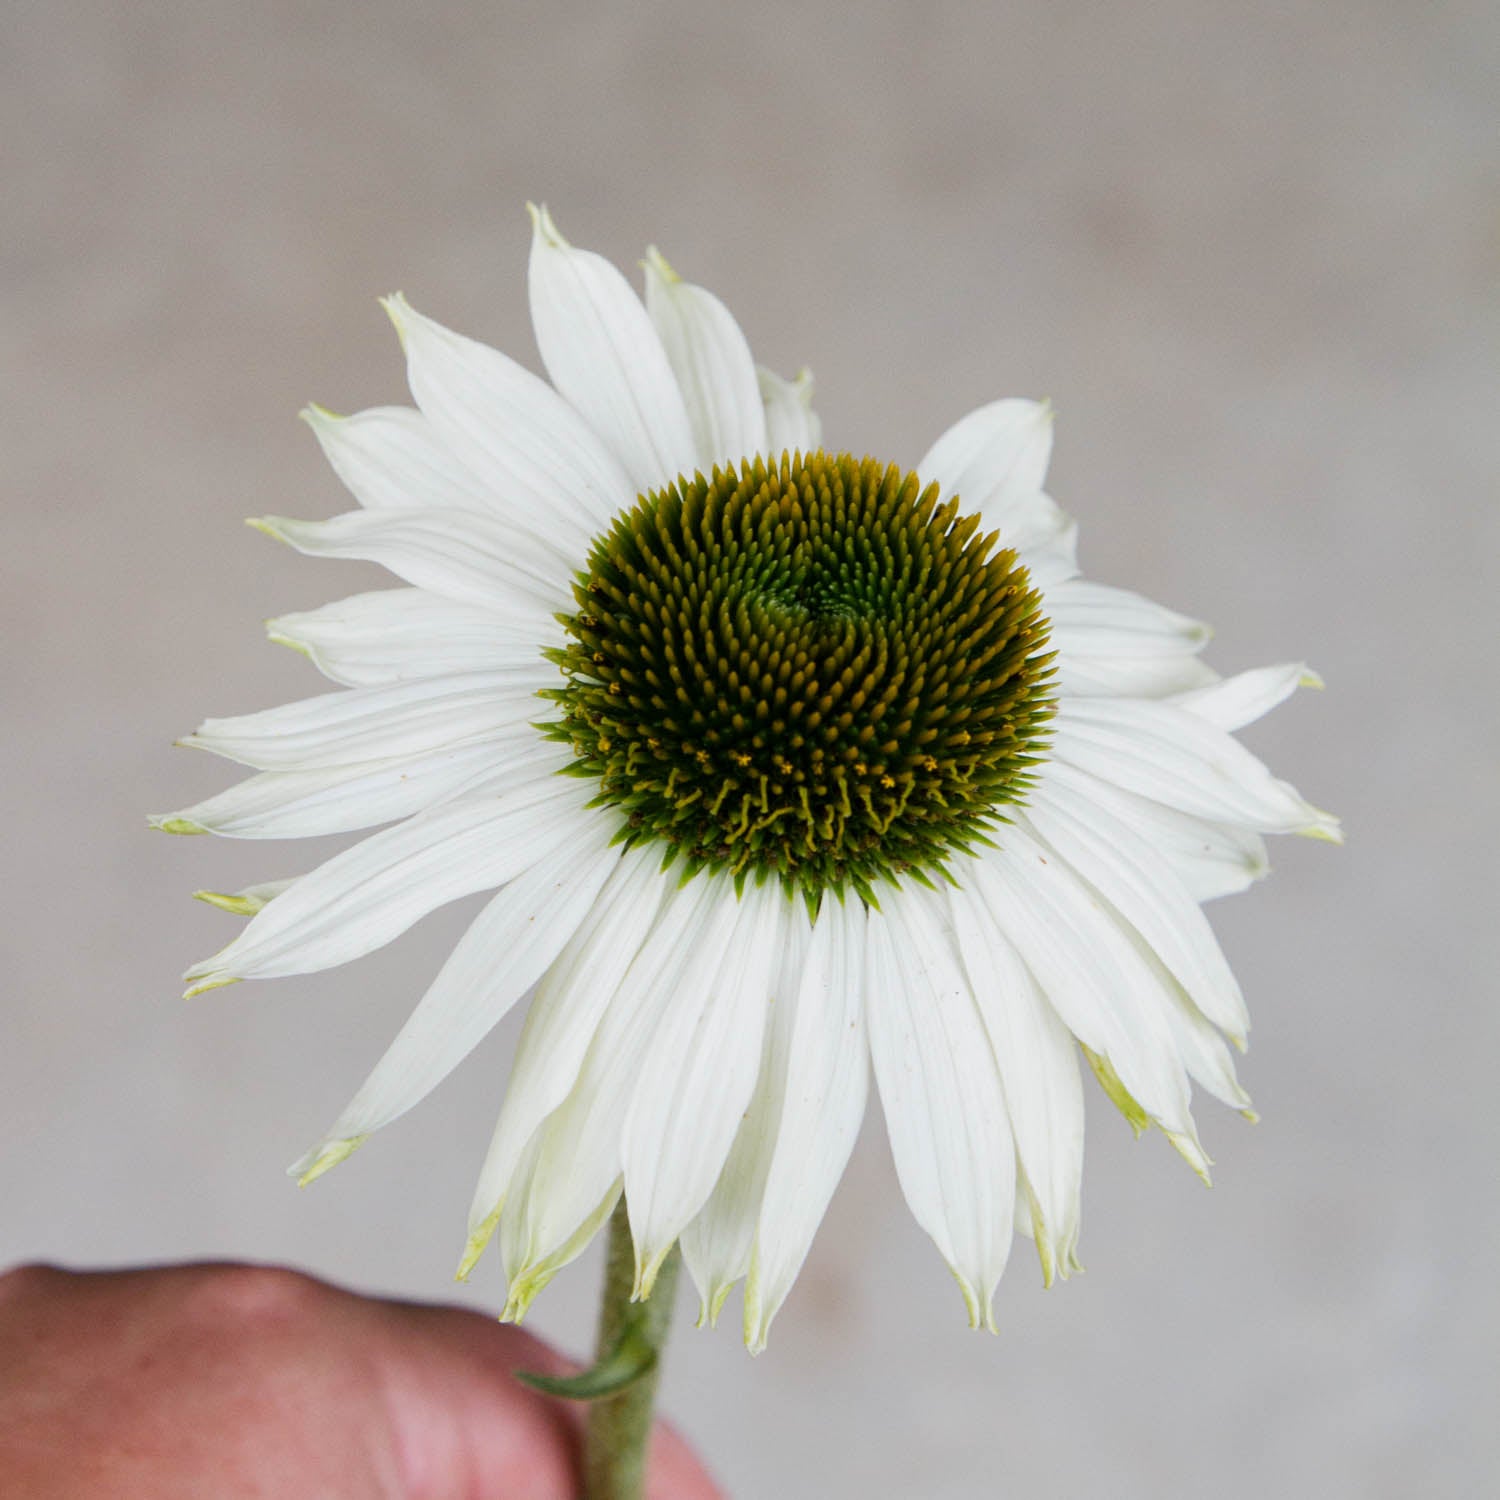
782 764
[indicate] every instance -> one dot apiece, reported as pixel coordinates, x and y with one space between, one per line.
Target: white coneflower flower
782 763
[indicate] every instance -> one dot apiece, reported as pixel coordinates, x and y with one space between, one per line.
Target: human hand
232 1380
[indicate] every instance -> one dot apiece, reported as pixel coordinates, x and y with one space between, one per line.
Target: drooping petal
576 1161
532 449
507 948
604 356
363 898
941 1091
358 725
716 1245
1039 1069
711 359
397 635
1181 760
1085 967
1142 887
304 804
1211 859
392 458
823 1102
792 426
995 460
696 1080
1247 696
459 554
561 1021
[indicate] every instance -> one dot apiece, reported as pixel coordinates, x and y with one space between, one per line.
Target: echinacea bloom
781 764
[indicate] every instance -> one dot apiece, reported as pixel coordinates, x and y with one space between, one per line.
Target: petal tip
324 1158
174 823
544 230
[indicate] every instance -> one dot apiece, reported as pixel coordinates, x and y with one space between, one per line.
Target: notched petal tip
319 417
217 982
647 1268
1323 825
1192 1152
543 229
656 264
324 1158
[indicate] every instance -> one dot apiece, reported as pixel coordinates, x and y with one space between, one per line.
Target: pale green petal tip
271 526
235 905
312 1167
1192 1153
712 1305
478 1243
1251 1115
980 1310
218 982
543 228
171 823
1119 1095
526 1286
1310 678
657 263
398 310
647 1267
280 638
319 416
1324 826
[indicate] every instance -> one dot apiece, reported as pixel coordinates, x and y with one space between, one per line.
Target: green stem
619 1426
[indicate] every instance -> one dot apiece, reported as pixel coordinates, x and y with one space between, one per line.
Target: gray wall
1250 252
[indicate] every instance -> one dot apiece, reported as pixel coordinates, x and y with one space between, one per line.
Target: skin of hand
236 1380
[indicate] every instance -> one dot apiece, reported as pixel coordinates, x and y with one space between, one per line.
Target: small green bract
807 669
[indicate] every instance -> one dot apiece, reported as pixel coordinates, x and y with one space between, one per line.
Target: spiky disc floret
809 668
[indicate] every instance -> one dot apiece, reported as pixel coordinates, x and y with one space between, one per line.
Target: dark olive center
808 669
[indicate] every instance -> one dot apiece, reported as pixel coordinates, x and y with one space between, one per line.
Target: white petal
1130 676
1211 859
1182 761
1090 974
602 353
711 359
562 1019
459 554
363 898
1039 1069
941 1092
534 452
1247 696
995 460
823 1103
507 948
1147 893
303 804
792 426
395 635
578 1155
697 1077
392 458
1095 619
358 725
1112 642
716 1245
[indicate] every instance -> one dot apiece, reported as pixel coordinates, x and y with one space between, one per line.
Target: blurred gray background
1252 254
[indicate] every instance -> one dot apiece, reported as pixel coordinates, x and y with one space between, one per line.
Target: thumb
463 1425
